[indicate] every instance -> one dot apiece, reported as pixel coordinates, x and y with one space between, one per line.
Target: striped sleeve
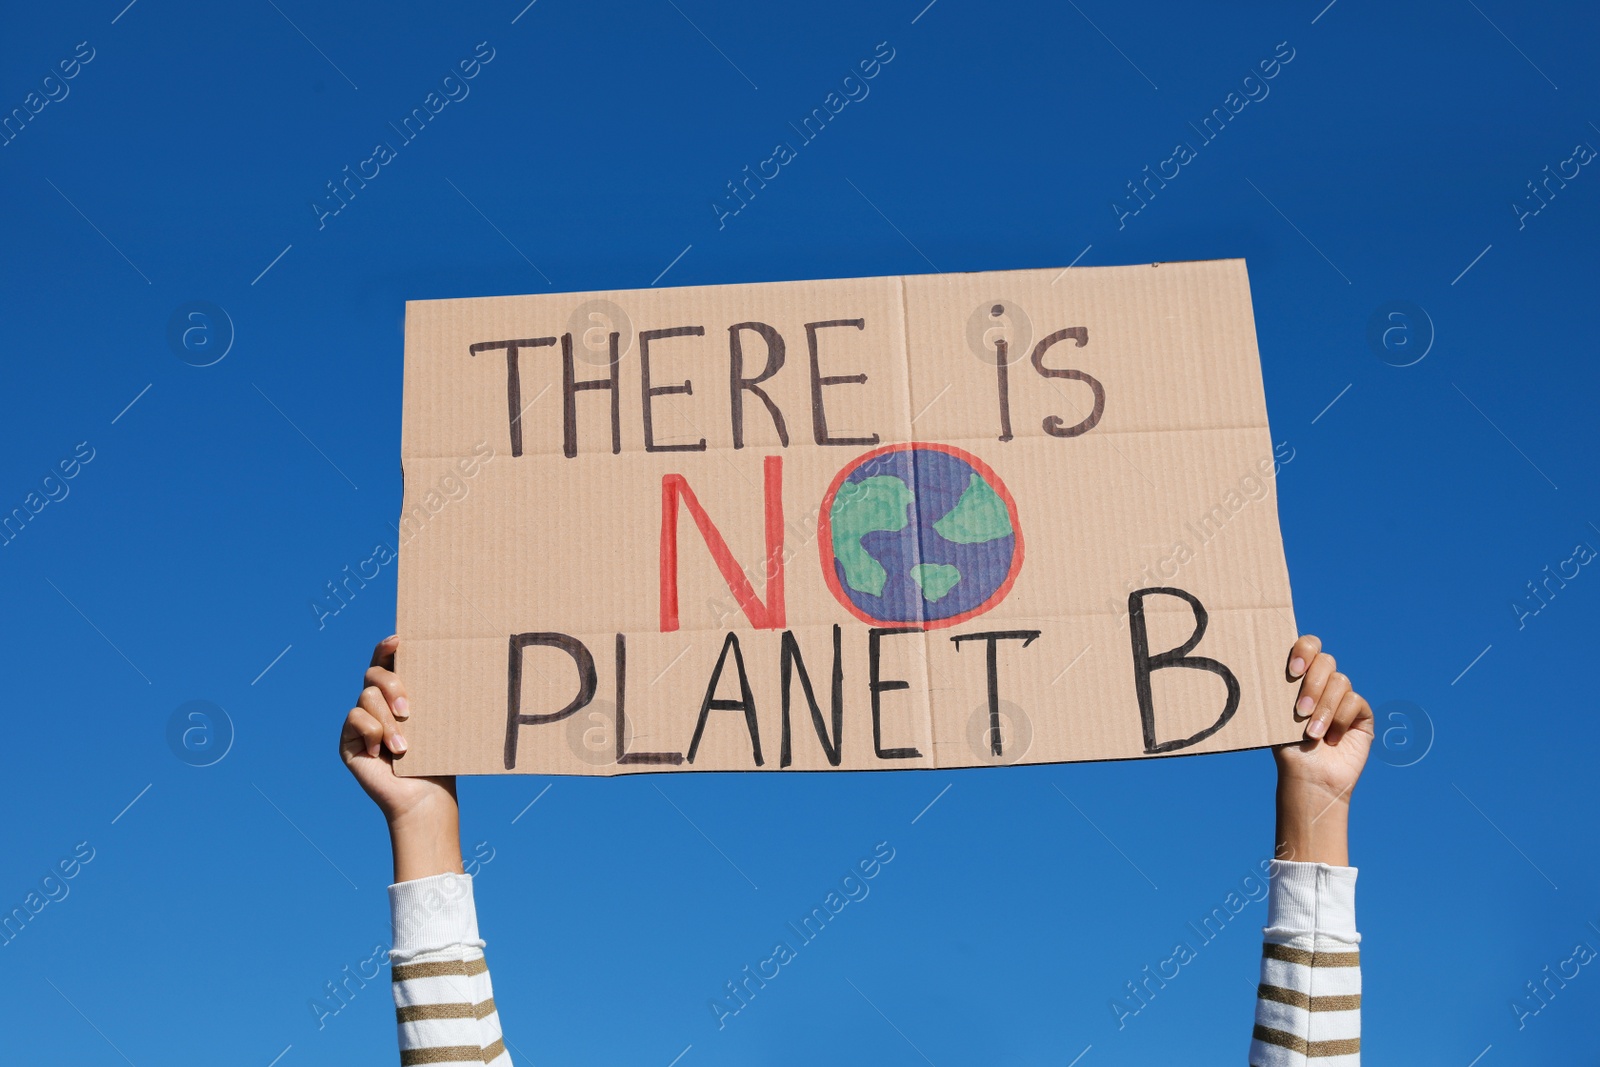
443 1002
1308 1005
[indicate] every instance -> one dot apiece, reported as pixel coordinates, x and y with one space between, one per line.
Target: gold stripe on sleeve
1296 999
1348 1002
495 1050
1309 959
441 1054
455 968
411 1013
1269 951
1311 1049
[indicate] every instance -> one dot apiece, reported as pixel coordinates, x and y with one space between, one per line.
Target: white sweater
1308 1005
442 997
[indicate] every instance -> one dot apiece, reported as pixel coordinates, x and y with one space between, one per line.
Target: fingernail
372 749
399 744
402 706
1317 728
391 637
1297 666
1305 705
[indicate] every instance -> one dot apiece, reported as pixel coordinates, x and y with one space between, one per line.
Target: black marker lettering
624 757
1053 425
819 417
571 387
513 379
586 685
1144 665
1002 372
994 637
687 388
789 659
737 382
876 686
746 702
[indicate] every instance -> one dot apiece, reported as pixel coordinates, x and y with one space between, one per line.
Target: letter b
1144 665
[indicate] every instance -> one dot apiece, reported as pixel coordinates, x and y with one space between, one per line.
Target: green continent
935 579
978 516
860 508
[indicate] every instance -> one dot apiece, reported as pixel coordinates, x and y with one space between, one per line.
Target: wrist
426 841
1312 824
423 814
1311 790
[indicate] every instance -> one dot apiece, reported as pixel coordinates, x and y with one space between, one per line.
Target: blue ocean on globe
919 535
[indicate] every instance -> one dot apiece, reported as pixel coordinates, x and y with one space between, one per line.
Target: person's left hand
1339 726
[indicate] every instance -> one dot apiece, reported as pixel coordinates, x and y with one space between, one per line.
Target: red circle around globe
825 533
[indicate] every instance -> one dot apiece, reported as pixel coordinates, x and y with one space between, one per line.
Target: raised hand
1317 775
424 822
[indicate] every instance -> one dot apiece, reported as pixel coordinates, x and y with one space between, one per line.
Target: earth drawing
919 535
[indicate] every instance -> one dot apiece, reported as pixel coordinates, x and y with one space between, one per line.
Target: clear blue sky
180 163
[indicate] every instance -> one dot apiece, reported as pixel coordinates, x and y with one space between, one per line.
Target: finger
374 704
1304 651
383 652
1335 691
1317 675
361 731
1346 716
393 691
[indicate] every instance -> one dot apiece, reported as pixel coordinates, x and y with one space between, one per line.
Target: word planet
919 535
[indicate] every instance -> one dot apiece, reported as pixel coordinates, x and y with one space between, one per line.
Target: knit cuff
1311 898
433 913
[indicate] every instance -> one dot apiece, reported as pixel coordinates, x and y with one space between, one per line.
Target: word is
455 90
854 888
54 488
55 90
52 888
784 152
1210 128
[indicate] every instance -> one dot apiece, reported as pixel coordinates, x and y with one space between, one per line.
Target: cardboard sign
876 523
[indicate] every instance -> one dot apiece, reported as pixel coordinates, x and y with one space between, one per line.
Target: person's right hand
371 740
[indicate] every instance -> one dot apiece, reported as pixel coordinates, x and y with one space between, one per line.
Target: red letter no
768 616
